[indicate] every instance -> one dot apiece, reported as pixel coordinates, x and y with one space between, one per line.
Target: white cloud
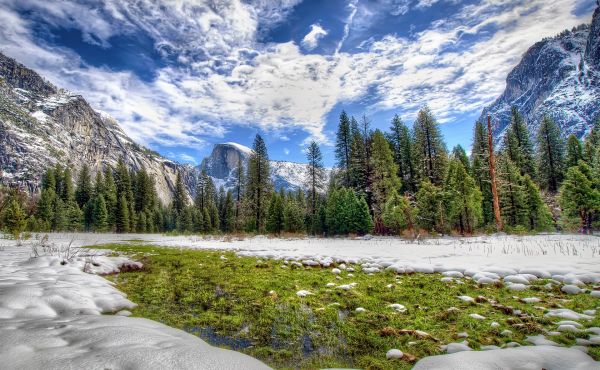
311 40
426 3
187 158
286 151
277 86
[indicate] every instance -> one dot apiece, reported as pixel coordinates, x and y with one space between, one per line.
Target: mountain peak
558 77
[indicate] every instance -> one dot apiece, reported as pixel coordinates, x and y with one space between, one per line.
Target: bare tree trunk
493 177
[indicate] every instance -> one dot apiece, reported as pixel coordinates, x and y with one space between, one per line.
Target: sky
183 75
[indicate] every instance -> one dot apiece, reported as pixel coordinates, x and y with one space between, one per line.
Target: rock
336 271
394 354
477 316
397 307
303 293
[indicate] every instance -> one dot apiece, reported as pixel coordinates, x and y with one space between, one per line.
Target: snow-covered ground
50 313
51 318
569 259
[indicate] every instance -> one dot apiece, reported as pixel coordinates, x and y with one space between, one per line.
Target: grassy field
252 306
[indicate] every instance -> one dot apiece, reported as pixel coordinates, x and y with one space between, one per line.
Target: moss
251 306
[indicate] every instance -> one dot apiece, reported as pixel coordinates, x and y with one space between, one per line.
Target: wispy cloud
226 78
311 40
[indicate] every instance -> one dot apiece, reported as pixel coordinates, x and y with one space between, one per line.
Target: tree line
400 182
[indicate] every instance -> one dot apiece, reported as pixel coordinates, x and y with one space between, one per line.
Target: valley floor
250 291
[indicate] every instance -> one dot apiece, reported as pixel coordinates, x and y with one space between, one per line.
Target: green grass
251 305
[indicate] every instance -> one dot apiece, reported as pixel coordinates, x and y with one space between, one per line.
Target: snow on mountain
558 77
225 158
41 125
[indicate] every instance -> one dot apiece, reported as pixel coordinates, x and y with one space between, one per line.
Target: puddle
218 340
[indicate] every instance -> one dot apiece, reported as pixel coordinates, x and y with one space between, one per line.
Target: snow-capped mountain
222 163
41 125
558 77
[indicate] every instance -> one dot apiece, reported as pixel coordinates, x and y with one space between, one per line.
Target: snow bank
51 318
487 259
109 342
539 357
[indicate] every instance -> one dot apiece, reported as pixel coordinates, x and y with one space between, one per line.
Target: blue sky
183 75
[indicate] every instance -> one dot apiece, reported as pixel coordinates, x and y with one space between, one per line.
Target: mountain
41 125
558 77
221 165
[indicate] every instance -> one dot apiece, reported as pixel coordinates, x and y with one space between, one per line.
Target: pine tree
67 193
579 197
83 192
275 215
550 155
314 182
592 142
293 215
398 215
179 195
259 187
480 171
357 167
49 180
574 151
538 214
522 155
239 181
430 150
142 222
361 222
459 153
122 215
99 214
110 197
430 207
343 147
215 221
145 192
73 215
400 140
124 187
463 198
45 208
59 221
511 193
14 219
228 220
384 179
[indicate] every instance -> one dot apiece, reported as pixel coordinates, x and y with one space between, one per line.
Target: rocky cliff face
558 77
222 163
41 125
